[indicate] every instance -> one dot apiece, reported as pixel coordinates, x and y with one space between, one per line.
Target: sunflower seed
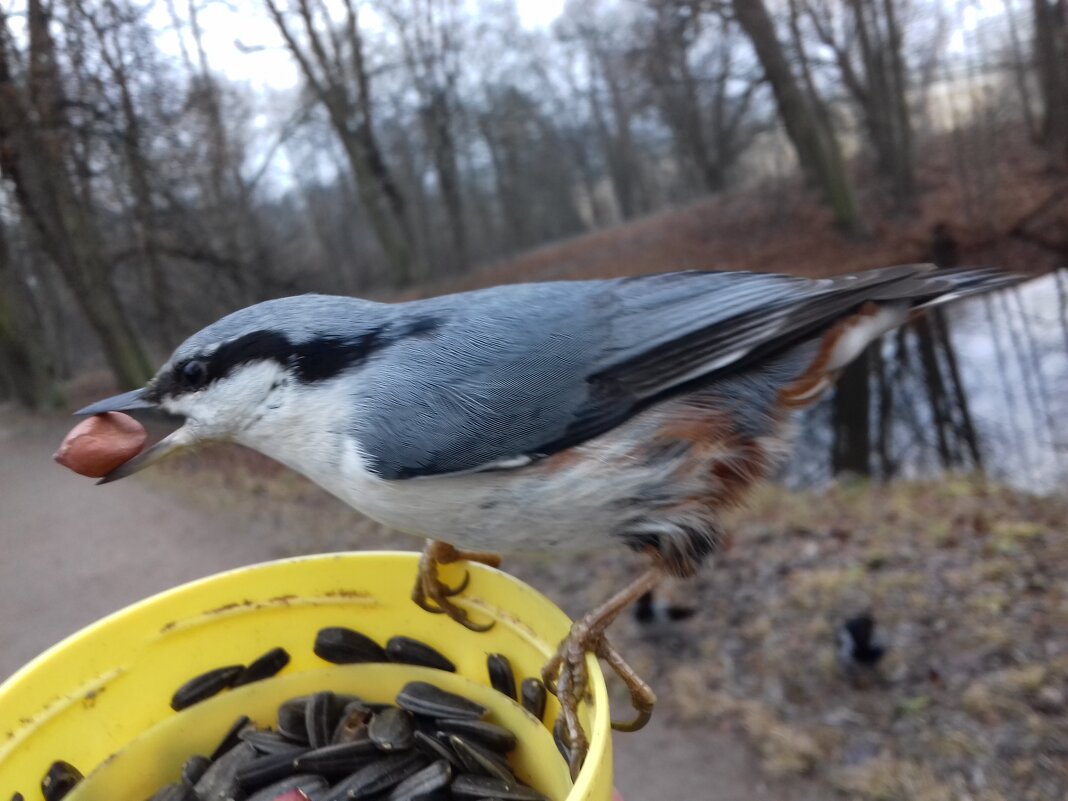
321 715
292 721
339 760
270 742
480 760
205 686
231 738
467 786
412 652
426 699
392 730
378 776
534 696
419 785
194 768
268 769
489 735
219 782
172 792
59 780
345 699
305 782
501 677
344 646
263 667
17 797
436 749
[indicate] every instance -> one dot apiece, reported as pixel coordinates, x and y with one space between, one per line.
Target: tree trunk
352 119
1020 70
227 189
437 123
505 180
373 179
618 141
903 176
34 159
851 419
937 398
965 427
26 369
675 88
885 406
817 149
1051 26
143 211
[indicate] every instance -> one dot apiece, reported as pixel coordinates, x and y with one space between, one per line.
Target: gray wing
515 373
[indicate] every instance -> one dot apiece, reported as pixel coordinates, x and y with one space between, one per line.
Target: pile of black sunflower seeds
429 745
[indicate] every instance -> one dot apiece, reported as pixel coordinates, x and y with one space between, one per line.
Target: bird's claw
432 594
566 676
642 697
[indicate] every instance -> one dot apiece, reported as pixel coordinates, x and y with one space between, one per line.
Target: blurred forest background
163 162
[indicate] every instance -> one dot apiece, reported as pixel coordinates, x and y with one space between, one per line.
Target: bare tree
609 94
108 29
866 40
817 148
851 418
430 35
237 241
1021 69
1051 63
37 157
705 104
534 186
27 369
331 58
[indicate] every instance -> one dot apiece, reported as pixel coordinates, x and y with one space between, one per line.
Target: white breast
518 509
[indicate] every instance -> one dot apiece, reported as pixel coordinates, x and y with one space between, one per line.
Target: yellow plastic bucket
106 690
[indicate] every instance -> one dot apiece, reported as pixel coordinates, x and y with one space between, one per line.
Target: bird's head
252 368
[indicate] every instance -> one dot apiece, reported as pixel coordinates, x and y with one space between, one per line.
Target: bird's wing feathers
517 373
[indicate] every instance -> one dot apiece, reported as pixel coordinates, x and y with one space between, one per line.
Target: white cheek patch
228 403
301 427
863 332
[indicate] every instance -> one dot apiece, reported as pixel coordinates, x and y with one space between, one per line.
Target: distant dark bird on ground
859 651
648 610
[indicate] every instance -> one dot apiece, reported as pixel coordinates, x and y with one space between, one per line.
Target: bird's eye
194 374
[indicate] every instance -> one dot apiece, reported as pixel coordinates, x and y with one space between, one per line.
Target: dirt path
72 553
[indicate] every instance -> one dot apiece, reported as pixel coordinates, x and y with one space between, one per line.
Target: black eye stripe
316 360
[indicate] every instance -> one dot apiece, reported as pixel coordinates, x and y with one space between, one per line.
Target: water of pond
1012 349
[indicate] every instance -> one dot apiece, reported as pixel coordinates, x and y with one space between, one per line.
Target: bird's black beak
125 402
132 401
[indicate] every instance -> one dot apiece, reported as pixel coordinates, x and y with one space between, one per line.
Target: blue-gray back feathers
473 380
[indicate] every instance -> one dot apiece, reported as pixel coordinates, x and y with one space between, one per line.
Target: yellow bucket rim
75 673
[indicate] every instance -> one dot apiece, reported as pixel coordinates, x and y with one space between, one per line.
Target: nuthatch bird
549 417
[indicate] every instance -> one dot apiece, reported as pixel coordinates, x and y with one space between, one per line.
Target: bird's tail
934 287
910 291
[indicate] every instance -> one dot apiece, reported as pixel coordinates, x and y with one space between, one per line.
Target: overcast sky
234 26
232 29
